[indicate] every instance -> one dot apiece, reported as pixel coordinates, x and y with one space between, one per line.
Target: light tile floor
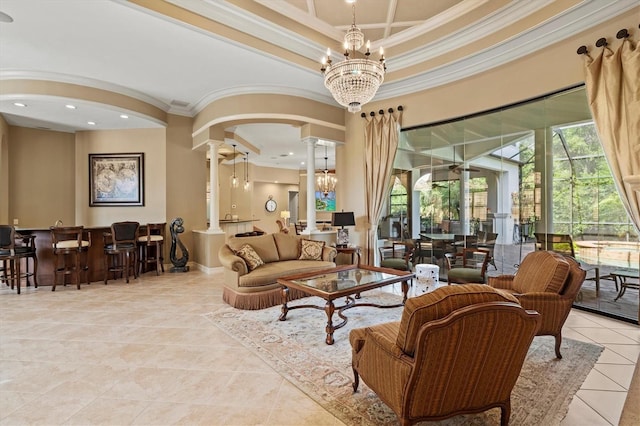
143 354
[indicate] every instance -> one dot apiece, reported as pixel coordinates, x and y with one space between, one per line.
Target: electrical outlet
15 221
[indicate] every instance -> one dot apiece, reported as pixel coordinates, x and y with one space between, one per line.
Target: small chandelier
247 184
354 81
234 178
326 182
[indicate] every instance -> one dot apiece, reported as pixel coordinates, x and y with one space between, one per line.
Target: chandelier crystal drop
326 182
234 177
353 81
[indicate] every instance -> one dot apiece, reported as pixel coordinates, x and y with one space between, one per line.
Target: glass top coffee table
343 281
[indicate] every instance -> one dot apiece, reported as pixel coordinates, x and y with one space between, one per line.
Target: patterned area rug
296 349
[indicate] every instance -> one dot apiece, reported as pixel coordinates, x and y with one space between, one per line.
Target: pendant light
234 178
247 185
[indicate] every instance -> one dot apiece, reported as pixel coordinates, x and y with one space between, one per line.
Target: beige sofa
258 288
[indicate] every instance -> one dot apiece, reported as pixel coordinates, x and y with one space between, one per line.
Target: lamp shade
285 214
342 219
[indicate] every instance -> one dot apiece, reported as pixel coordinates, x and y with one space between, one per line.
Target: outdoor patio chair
468 266
563 244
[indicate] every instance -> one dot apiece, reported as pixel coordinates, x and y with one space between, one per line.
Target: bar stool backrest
124 233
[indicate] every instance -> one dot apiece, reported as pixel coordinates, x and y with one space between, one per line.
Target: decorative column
214 190
311 184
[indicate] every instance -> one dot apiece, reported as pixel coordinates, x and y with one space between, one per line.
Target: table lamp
342 219
285 214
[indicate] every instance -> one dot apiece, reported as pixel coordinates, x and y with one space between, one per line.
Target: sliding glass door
520 174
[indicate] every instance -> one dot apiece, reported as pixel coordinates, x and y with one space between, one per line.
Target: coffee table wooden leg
285 308
329 308
405 291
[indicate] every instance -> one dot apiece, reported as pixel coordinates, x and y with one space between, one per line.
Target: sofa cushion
249 255
541 271
270 272
311 250
264 245
288 246
440 303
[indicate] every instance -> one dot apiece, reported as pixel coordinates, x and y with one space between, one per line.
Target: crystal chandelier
326 182
353 81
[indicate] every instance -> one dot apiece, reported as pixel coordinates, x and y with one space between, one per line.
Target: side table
353 251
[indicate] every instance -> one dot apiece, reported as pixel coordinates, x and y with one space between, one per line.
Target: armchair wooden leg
505 413
356 380
558 342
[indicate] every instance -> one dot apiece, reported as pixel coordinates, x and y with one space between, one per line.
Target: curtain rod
381 112
602 42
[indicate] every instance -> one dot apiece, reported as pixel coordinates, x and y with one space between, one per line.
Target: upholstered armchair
456 350
546 282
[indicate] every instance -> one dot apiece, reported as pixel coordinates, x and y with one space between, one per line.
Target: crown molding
513 12
14 74
585 15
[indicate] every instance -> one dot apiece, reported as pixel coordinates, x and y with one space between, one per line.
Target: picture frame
325 203
116 180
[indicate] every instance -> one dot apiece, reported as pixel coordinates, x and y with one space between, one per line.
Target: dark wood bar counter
44 252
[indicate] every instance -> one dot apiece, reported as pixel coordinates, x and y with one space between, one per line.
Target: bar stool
153 239
26 246
119 245
69 244
11 255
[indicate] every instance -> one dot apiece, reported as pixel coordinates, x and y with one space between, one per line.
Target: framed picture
326 203
116 179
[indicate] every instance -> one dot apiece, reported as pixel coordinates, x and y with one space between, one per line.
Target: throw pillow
311 250
249 255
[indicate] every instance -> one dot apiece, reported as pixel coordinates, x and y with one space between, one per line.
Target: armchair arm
552 307
380 362
229 260
501 281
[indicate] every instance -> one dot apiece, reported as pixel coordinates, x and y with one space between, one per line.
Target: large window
527 169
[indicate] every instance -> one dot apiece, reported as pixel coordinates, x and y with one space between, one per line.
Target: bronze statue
179 265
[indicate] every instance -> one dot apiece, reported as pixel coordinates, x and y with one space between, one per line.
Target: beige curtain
381 142
613 87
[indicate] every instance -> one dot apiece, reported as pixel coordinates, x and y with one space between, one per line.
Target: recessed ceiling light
124 116
91 123
70 106
291 153
19 104
302 162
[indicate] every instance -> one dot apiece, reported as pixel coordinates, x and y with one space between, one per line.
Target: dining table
438 237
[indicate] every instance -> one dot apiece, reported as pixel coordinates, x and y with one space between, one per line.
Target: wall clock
271 204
